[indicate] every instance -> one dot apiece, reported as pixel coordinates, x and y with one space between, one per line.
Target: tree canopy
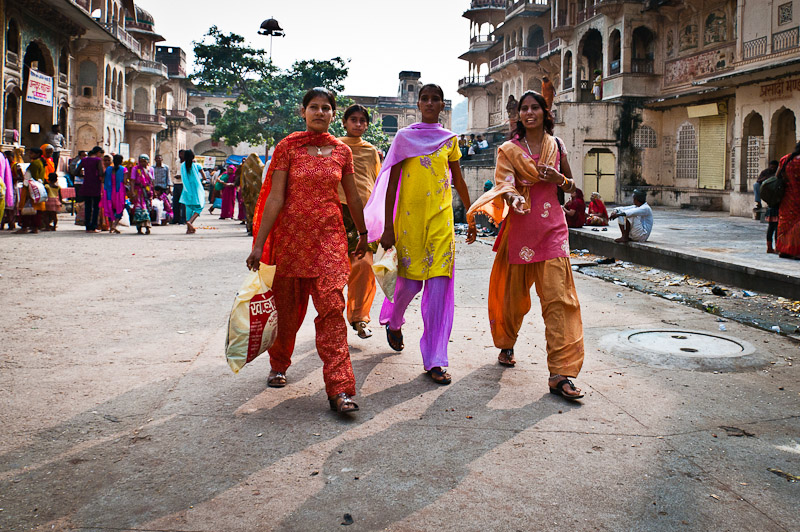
265 100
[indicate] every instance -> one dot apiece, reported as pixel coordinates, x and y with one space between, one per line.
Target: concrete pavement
120 413
711 245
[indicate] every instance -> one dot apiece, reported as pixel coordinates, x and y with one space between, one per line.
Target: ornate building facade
112 84
696 95
396 112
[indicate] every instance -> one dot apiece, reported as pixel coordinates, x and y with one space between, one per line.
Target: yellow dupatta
367 164
515 172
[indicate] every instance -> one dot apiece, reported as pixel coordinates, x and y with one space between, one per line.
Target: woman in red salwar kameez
298 227
788 241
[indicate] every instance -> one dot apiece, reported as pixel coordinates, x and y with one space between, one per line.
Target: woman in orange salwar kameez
788 240
533 245
367 163
298 228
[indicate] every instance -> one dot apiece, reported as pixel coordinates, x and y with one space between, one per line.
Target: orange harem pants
291 302
510 301
360 289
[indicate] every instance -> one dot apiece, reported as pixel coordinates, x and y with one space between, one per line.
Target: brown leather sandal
506 358
342 403
439 375
276 379
561 386
395 338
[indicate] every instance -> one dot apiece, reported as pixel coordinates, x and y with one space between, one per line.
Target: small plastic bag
253 324
385 268
125 221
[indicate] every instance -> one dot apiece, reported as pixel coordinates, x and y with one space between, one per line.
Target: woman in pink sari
228 193
113 200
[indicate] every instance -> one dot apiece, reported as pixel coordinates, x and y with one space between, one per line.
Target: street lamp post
273 29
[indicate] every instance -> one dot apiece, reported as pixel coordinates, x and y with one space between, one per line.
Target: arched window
389 124
686 160
614 53
213 116
199 115
642 51
12 110
567 70
114 86
62 119
63 62
644 137
535 37
108 90
12 37
120 85
87 77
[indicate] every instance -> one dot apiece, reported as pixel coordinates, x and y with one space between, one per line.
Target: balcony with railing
564 24
533 5
586 14
143 118
481 41
754 48
785 40
487 4
151 67
179 114
86 5
125 38
520 53
642 66
477 81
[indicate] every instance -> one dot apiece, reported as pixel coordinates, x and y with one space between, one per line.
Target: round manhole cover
684 343
684 349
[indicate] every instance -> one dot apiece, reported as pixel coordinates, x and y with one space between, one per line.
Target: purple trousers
438 307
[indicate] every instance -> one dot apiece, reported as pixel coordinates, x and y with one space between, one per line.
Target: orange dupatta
515 172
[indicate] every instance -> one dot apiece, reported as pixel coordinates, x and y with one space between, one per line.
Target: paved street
119 412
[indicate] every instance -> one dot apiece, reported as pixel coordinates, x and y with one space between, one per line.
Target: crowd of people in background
104 191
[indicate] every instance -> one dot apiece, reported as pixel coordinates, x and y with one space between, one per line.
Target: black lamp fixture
272 28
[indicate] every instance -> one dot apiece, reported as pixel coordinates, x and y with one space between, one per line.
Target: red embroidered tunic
309 234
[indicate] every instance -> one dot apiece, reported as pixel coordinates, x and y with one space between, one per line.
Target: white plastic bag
385 268
125 221
253 325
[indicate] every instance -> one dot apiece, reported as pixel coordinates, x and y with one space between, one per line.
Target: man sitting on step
635 221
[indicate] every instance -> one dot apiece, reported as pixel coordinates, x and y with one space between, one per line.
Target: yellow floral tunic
423 226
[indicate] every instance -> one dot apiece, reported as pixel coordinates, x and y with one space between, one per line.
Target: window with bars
754 157
785 13
644 137
686 160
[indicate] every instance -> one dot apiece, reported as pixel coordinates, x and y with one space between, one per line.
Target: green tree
265 100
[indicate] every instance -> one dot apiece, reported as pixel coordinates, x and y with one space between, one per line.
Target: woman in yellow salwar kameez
411 209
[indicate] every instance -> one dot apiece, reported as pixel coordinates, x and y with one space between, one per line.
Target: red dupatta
295 140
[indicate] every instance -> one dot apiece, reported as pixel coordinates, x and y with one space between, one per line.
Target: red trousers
291 303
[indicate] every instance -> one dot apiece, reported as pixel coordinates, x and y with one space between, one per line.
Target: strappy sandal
439 376
506 358
362 329
342 403
395 339
276 379
559 389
